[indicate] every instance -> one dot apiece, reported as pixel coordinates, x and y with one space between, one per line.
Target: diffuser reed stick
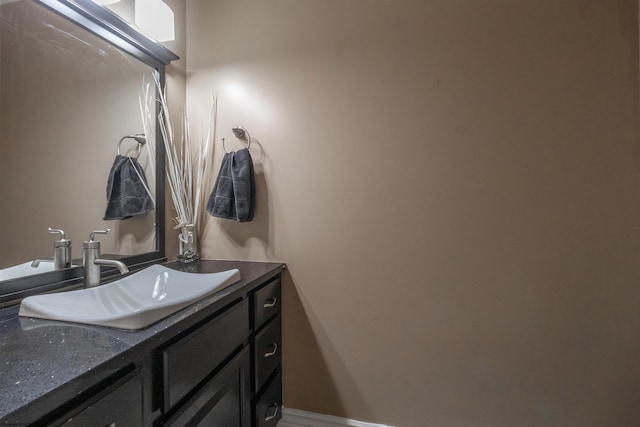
187 165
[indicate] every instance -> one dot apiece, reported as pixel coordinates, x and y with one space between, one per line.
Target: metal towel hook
240 133
139 137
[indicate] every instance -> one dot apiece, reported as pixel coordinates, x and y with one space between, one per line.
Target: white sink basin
24 269
133 302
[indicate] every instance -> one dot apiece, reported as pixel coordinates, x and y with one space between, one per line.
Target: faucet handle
56 230
91 235
61 242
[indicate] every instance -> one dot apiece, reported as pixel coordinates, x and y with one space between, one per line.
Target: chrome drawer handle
273 352
271 302
275 412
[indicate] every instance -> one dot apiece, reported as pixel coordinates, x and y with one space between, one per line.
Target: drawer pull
272 352
275 412
271 302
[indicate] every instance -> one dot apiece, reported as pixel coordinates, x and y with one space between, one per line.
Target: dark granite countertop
39 356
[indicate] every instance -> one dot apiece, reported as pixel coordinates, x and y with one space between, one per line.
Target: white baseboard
298 418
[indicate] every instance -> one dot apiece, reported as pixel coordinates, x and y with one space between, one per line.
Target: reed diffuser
187 165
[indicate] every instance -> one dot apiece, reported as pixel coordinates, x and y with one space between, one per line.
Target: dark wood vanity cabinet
227 372
217 364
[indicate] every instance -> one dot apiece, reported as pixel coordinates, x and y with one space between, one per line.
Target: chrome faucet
61 258
91 260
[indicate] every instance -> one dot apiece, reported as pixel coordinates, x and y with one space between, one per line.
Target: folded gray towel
234 193
126 192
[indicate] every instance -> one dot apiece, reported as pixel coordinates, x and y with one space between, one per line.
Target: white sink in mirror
24 269
133 302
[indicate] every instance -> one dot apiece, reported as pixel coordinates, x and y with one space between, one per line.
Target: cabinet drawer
187 362
266 303
125 396
267 350
268 408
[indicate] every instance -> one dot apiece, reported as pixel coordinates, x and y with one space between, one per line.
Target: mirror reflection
67 98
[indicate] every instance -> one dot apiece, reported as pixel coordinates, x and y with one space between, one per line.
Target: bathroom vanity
214 363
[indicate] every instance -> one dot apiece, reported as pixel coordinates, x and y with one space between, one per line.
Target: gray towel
234 193
126 192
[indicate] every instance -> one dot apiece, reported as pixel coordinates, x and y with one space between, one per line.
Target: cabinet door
224 401
120 407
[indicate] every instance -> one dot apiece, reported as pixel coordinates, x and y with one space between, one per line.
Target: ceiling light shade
155 19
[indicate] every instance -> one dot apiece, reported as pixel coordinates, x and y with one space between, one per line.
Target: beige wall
454 187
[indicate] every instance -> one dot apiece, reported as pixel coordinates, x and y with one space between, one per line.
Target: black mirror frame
110 27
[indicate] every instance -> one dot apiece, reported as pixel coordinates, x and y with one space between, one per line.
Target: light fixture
155 19
106 2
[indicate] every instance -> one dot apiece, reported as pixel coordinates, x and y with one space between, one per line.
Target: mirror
70 77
